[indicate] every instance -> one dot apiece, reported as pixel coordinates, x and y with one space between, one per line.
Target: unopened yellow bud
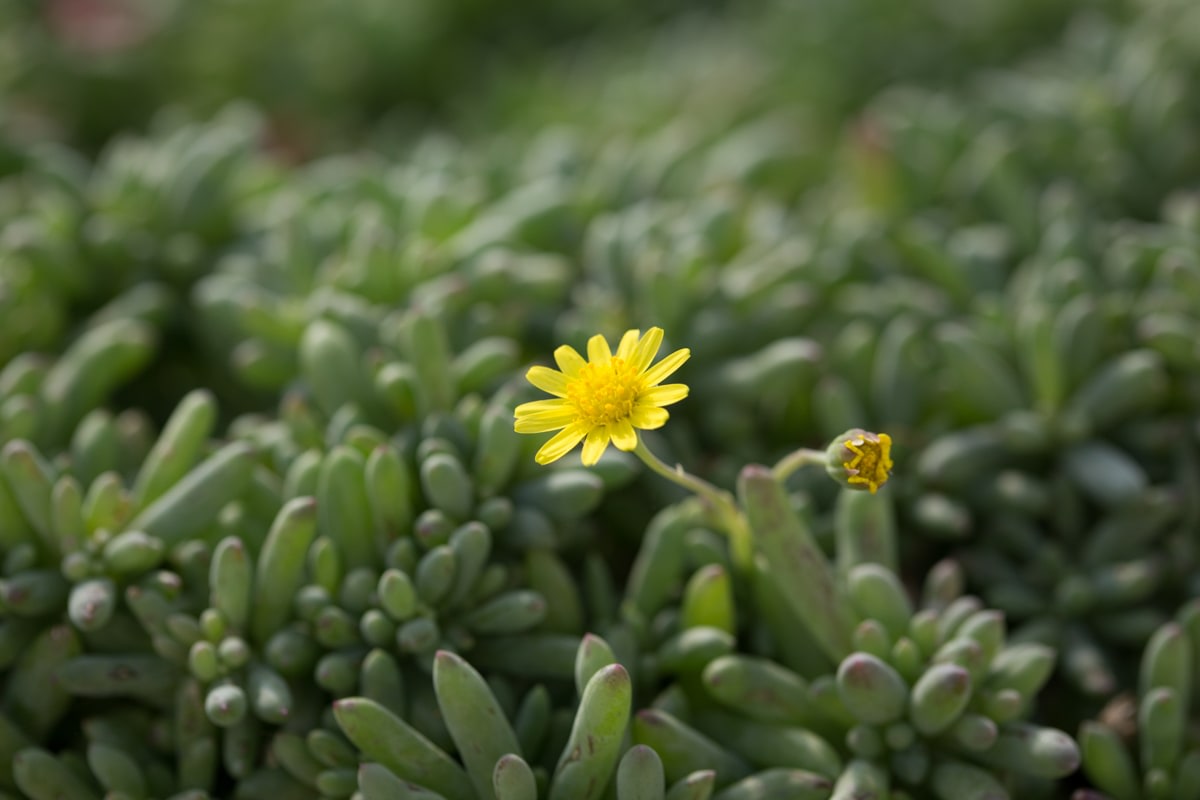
860 459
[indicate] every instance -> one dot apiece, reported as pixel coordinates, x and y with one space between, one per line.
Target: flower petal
561 443
646 349
545 421
624 436
541 406
598 351
659 372
628 344
569 360
663 395
648 418
595 445
548 380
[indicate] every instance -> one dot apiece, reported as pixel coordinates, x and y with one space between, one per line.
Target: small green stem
796 460
723 506
718 498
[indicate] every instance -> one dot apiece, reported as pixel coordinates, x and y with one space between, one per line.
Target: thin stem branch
723 506
679 476
796 460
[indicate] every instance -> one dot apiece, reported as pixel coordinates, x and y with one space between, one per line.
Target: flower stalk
727 515
797 460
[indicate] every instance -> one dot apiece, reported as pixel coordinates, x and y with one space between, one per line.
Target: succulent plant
1144 745
923 700
270 525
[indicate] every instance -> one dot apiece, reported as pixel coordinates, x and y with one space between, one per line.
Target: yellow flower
860 459
604 398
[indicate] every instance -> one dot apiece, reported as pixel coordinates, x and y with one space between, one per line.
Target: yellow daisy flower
604 398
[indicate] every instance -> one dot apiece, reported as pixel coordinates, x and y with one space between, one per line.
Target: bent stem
726 510
798 459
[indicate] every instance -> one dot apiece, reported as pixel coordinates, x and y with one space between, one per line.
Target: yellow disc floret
604 394
872 461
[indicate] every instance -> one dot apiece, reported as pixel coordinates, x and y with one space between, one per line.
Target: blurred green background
327 72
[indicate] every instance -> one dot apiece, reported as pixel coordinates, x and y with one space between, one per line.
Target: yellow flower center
872 460
604 393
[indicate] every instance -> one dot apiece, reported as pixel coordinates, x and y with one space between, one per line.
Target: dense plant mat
741 408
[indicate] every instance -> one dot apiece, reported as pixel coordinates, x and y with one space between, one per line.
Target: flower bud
860 459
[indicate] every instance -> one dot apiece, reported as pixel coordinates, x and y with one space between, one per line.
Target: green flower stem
795 460
721 502
718 498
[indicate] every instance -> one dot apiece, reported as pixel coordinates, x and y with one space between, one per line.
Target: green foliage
266 529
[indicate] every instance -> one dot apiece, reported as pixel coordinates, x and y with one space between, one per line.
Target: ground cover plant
750 403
